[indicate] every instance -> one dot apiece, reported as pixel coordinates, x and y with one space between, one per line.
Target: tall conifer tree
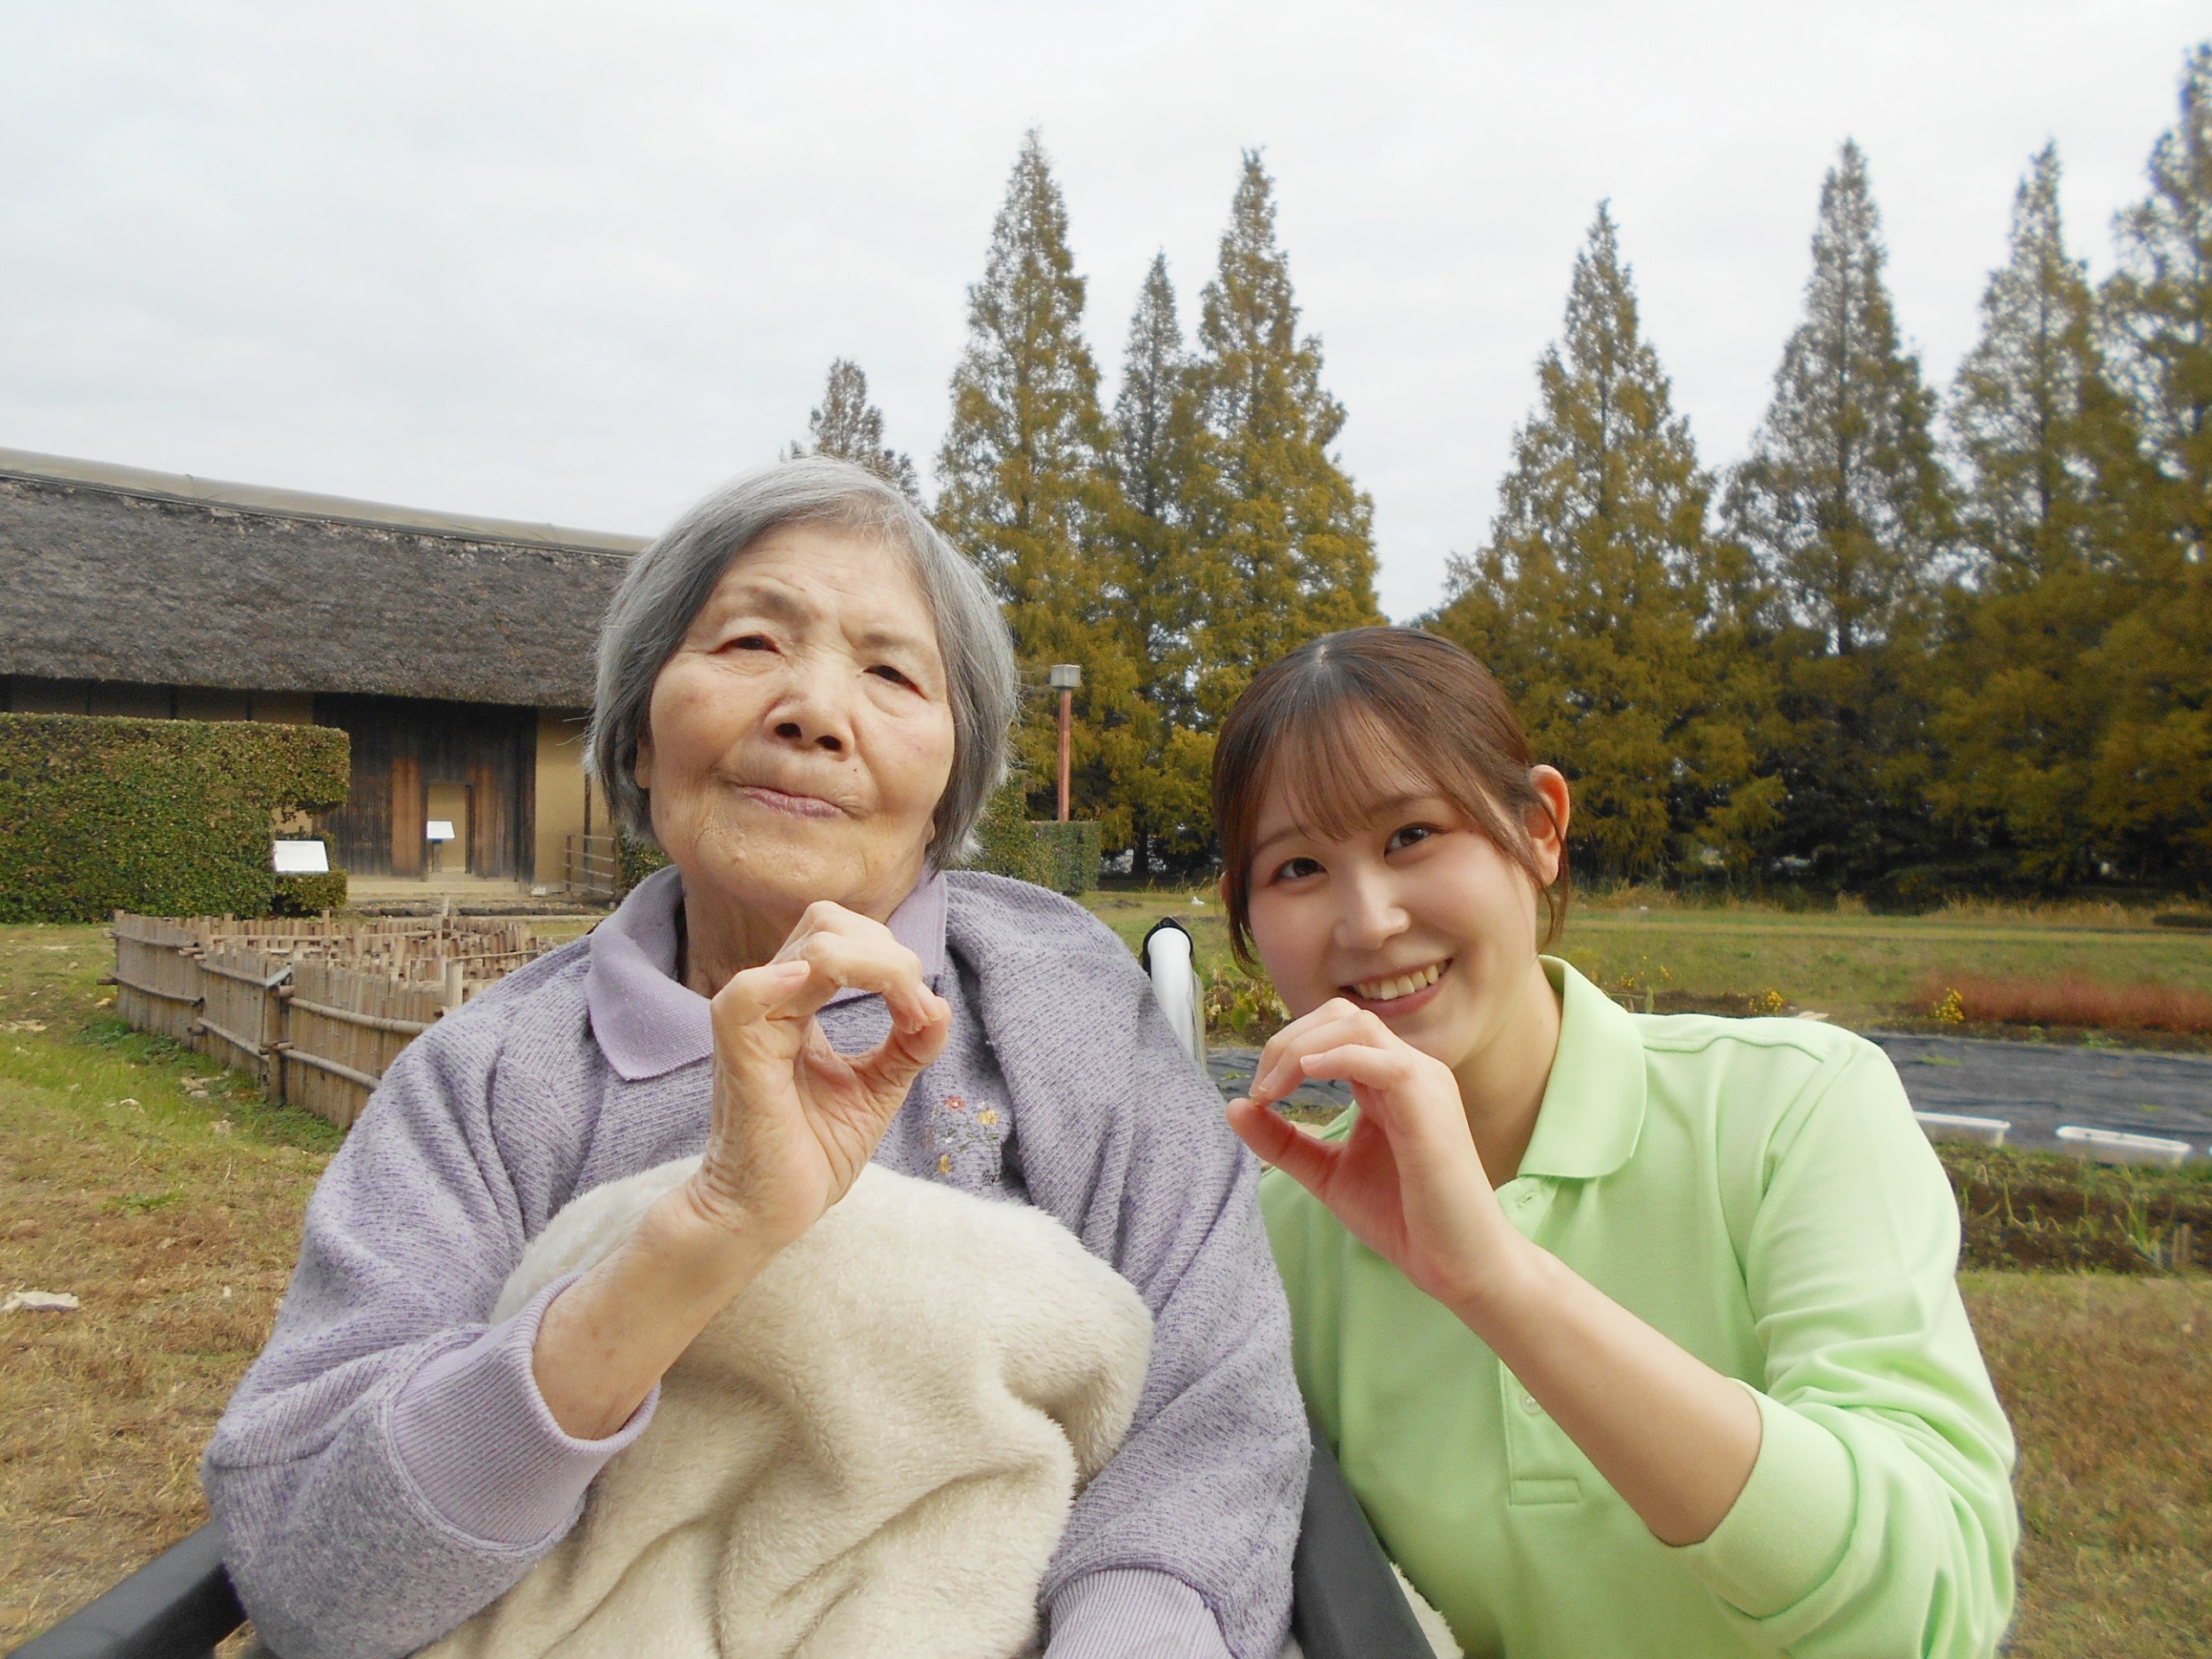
1843 504
2151 800
2044 449
1159 761
850 427
1024 487
1289 537
1592 601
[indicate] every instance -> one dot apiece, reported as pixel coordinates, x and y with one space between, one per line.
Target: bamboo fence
313 1009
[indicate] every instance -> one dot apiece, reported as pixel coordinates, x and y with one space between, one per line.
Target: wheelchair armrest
1345 1603
178 1605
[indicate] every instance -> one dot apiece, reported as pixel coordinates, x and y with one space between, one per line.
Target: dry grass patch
2108 1383
166 1197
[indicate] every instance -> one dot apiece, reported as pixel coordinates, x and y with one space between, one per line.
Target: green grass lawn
168 1197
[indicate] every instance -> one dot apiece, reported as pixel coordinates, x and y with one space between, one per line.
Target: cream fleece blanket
872 1451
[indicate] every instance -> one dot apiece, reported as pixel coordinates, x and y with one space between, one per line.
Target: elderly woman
804 693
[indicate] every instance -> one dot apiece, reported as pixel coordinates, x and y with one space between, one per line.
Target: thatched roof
152 578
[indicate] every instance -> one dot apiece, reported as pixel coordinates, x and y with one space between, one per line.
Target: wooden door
450 803
407 815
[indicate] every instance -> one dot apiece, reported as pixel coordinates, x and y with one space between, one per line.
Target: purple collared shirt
388 1466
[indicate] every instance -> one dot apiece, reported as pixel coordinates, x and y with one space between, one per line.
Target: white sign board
439 830
303 858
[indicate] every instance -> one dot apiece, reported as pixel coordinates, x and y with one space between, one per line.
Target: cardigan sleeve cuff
477 1437
1788 1528
1133 1613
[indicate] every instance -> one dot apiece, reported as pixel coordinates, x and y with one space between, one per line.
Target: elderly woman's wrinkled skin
799 739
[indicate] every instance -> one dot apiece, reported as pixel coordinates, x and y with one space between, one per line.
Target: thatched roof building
114 574
457 651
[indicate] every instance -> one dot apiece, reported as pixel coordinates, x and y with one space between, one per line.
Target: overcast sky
577 263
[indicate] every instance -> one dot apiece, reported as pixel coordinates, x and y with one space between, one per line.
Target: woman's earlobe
641 764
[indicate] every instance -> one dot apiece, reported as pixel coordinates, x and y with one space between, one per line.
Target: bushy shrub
636 860
1243 1005
167 817
308 895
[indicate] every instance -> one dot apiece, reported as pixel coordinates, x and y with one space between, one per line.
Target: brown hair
1329 712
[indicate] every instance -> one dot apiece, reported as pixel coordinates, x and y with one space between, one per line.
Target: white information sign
439 830
303 858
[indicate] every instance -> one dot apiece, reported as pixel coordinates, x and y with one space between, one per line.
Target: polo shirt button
1528 1404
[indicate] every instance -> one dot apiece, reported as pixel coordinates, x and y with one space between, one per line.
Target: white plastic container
1950 1126
2117 1147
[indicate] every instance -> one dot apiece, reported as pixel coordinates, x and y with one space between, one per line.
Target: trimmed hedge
167 817
1005 842
308 895
1068 854
1008 842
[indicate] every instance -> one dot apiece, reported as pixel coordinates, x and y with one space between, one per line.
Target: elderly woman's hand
794 1124
795 1121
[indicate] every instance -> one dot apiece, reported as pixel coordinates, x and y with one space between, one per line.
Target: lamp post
1066 678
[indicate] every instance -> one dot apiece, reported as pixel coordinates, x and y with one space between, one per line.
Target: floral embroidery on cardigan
968 1144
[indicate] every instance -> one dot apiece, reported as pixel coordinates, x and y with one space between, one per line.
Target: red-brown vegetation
2070 1000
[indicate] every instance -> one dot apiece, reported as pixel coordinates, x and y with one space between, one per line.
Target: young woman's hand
1407 1181
794 1121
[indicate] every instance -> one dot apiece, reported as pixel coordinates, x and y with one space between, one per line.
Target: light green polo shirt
1758 1190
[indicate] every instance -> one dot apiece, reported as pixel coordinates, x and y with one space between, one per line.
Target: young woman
1634 1334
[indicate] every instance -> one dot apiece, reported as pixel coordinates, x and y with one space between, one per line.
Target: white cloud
577 261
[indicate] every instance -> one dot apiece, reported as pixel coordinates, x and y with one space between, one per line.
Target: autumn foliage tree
1846 507
1286 538
2046 461
1159 761
848 427
2150 800
1880 657
1024 485
1594 602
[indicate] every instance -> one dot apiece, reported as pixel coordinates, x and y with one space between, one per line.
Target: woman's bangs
1337 765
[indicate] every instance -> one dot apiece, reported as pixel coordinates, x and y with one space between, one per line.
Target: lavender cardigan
388 1467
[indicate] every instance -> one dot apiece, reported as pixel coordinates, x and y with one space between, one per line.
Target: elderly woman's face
800 738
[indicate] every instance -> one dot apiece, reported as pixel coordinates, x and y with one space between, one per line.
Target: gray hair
671 579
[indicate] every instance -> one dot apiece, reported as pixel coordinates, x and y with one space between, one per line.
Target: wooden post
1066 678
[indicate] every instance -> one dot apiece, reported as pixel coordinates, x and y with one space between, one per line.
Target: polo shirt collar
1593 1111
646 1022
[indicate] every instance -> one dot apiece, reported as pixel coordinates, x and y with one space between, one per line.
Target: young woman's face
1415 915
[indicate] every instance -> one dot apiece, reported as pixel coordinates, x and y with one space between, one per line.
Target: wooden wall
401 746
21 694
